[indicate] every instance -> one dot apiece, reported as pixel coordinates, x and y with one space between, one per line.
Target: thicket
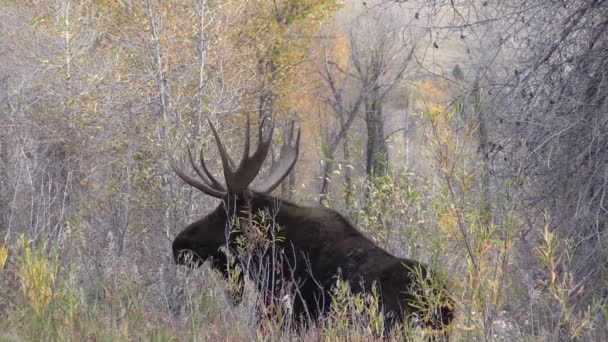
91 90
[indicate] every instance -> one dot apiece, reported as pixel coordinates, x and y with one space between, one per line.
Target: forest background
470 135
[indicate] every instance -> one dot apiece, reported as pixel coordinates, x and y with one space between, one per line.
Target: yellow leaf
3 256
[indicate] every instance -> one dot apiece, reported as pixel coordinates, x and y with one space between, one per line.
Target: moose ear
232 273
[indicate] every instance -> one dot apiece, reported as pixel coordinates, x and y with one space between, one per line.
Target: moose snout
179 248
185 253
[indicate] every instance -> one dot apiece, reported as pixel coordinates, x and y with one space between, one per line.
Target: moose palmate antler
238 180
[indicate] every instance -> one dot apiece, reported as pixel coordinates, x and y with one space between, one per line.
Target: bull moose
285 248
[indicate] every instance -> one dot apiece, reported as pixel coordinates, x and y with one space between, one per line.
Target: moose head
204 238
312 247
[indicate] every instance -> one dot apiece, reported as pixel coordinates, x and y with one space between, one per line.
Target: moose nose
187 253
180 247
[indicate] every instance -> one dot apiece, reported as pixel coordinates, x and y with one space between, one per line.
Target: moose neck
253 202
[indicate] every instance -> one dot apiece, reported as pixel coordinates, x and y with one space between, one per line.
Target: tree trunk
4 187
376 158
348 182
327 168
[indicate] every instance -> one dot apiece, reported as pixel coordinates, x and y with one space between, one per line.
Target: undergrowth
503 288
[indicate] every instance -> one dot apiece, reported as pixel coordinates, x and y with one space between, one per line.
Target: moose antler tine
196 168
227 163
192 181
247 141
205 174
261 139
282 168
215 182
250 166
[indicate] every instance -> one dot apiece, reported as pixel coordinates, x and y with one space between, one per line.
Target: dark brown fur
315 246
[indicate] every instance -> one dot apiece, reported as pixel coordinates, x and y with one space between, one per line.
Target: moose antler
207 186
281 168
238 180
